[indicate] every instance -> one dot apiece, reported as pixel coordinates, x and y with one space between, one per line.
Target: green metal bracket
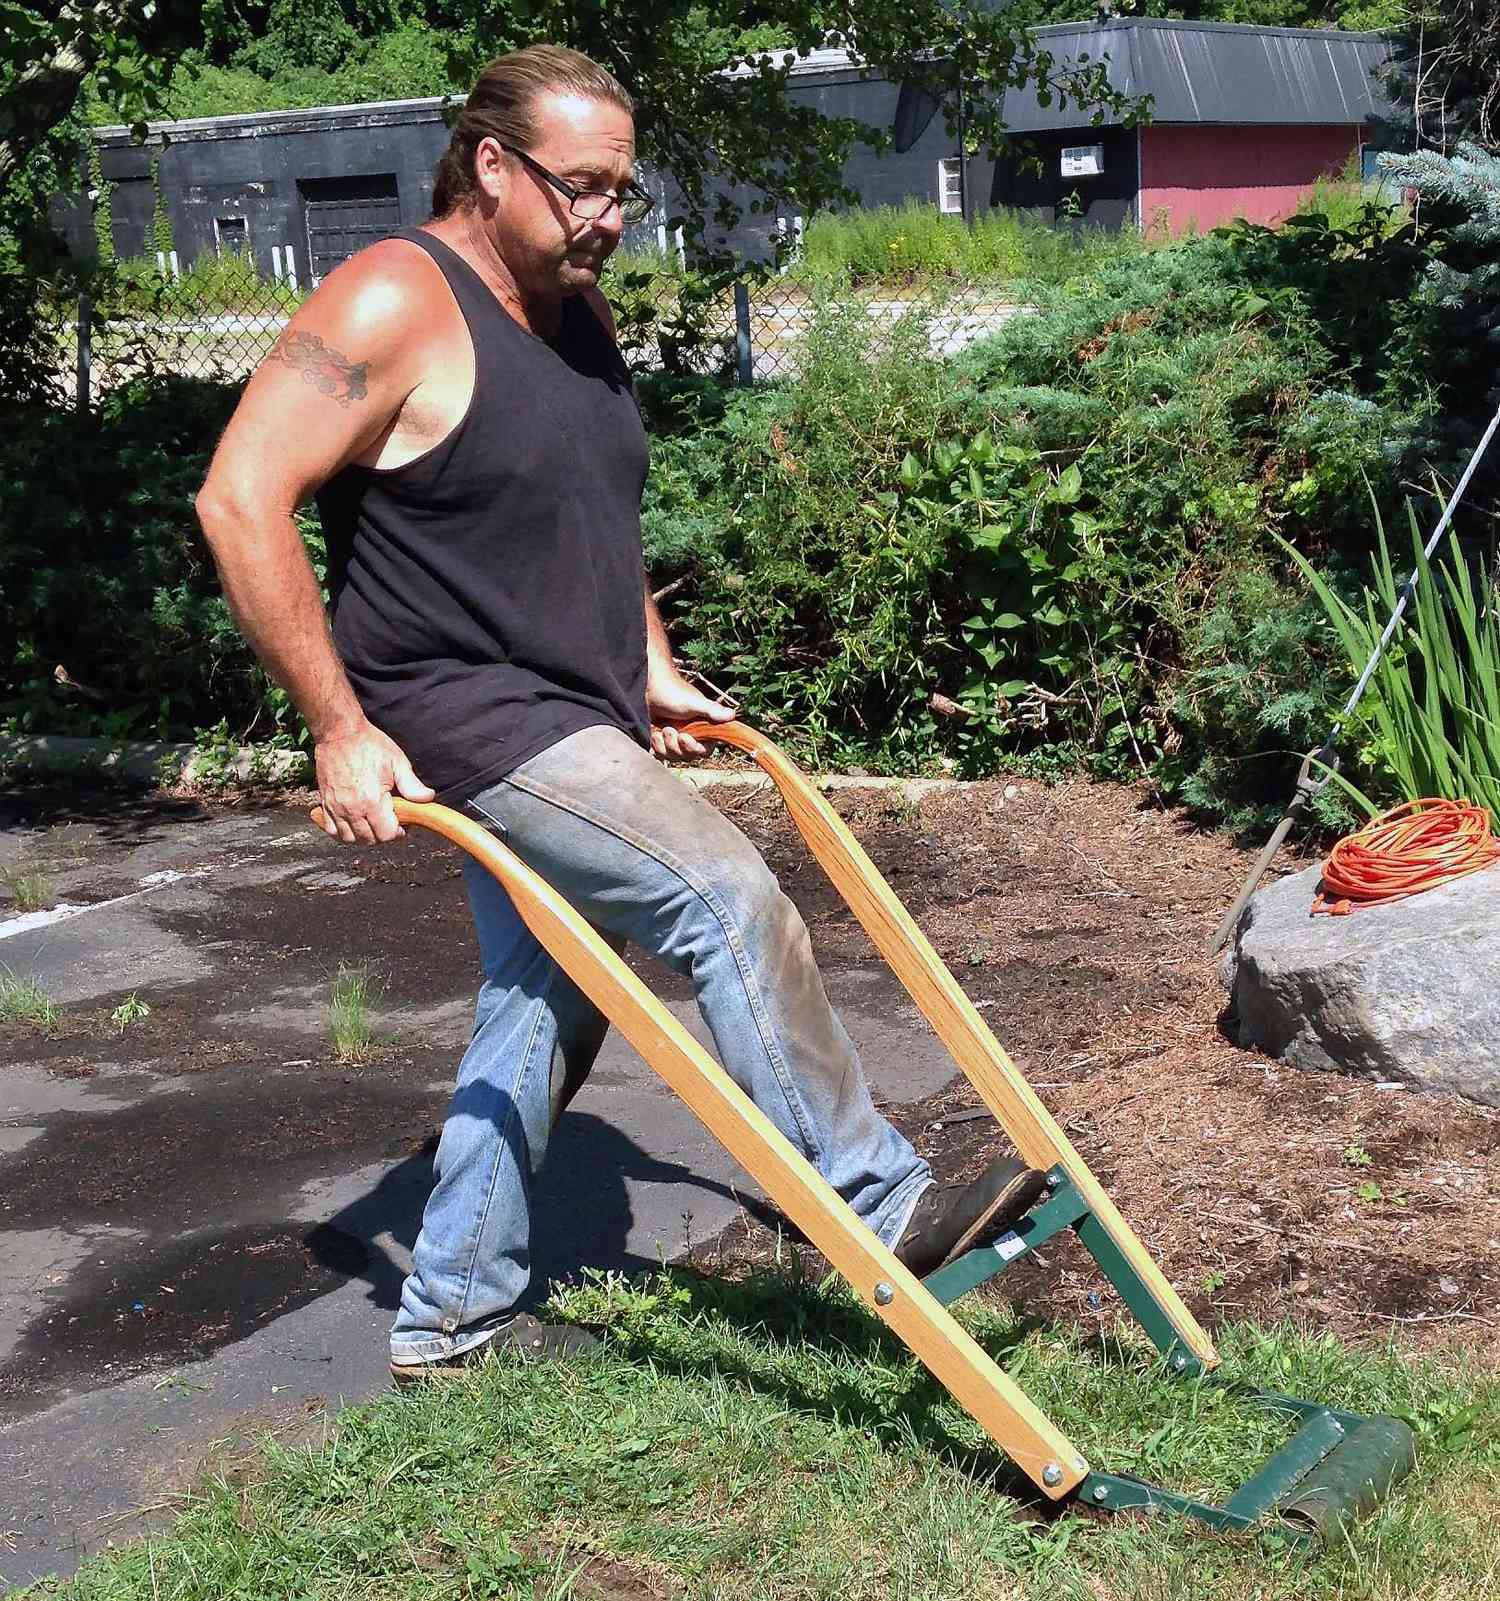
1063 1209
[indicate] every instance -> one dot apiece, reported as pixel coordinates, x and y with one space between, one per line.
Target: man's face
589 144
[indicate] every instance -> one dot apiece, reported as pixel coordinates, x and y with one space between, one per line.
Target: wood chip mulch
1076 917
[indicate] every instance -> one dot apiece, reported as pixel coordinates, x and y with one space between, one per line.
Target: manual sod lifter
1336 1467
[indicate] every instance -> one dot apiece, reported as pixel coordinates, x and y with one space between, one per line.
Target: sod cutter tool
1336 1466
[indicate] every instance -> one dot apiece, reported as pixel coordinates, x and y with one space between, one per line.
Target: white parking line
28 921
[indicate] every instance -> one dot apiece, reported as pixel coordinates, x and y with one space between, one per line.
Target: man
455 400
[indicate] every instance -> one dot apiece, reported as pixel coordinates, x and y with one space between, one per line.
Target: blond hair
502 106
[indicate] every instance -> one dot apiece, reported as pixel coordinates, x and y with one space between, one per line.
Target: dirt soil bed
1076 916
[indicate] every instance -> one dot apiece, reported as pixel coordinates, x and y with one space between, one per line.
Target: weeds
23 1000
917 243
30 888
354 989
131 1010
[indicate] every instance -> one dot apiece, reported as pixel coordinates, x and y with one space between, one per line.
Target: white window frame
950 199
244 249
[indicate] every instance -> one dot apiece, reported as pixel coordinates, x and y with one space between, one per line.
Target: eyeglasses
589 205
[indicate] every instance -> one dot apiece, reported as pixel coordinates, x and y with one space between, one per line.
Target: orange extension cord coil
1404 851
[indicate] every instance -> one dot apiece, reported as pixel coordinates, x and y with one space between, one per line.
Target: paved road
204 1221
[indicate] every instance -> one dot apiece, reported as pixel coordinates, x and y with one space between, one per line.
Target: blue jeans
646 859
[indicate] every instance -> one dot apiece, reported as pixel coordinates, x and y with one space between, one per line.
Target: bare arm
670 699
328 391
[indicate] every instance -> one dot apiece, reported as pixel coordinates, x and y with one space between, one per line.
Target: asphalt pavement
204 1220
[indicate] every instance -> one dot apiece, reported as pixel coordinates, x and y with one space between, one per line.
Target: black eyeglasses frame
635 204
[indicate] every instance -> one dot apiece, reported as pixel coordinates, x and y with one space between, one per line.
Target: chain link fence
219 319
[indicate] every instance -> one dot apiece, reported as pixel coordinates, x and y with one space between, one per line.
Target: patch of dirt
1075 918
175 1304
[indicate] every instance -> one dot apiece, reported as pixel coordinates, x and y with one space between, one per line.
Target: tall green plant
1434 700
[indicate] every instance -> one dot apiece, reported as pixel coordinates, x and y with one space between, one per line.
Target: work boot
533 1340
949 1221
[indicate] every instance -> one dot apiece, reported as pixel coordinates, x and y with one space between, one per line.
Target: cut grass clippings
767 1439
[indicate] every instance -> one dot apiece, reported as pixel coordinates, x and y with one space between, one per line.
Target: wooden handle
941 1000
993 1399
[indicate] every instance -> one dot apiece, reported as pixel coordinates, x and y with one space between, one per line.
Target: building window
950 185
1082 161
231 236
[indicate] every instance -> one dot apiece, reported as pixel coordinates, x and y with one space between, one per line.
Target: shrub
1063 544
1262 676
110 595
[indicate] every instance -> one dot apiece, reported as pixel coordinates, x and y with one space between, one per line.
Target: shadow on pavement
581 1212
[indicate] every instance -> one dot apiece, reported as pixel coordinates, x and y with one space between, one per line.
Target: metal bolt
1051 1475
884 1294
1101 1492
1054 1180
1179 1362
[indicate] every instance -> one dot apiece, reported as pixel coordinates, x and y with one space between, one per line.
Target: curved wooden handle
985 1391
941 1000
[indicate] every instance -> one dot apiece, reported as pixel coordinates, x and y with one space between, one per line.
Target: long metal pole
744 353
83 377
963 151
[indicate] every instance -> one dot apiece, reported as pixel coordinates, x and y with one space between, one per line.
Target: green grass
23 1000
768 1440
918 243
30 888
352 992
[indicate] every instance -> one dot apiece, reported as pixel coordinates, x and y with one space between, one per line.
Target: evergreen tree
1461 315
1445 74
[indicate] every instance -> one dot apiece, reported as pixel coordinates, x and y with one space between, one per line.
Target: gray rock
1408 991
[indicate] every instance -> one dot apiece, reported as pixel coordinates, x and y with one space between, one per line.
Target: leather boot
947 1222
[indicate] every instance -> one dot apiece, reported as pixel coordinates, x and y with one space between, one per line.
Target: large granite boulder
1407 991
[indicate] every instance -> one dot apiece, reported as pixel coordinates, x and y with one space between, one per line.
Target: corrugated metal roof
1216 72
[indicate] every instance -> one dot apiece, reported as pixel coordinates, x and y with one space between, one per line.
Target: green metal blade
1061 1210
1291 1464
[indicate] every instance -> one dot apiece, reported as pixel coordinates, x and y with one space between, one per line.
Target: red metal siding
1202 176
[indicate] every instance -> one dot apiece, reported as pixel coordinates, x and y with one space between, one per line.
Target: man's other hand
356 774
670 700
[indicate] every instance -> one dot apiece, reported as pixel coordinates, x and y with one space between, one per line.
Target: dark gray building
295 191
313 186
1244 120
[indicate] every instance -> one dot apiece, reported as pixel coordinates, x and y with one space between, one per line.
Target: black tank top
488 596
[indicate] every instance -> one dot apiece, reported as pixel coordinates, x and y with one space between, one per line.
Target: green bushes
106 577
1046 547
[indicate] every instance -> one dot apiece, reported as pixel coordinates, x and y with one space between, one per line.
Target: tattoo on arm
326 370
